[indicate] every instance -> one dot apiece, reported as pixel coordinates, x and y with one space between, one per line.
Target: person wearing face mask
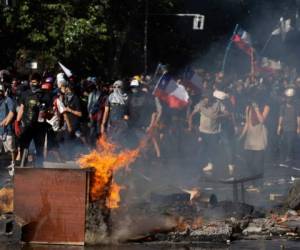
116 113
27 127
288 127
141 109
93 108
7 114
72 112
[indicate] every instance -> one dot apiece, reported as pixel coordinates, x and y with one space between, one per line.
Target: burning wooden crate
53 203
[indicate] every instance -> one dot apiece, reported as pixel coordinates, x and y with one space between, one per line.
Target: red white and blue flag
192 79
242 39
171 92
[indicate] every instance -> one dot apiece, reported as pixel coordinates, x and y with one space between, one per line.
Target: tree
99 36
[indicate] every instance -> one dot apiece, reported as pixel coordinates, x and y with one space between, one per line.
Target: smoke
136 227
183 154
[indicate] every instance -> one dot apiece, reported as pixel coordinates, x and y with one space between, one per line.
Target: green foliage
97 36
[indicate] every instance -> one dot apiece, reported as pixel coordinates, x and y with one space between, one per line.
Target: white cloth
256 137
117 97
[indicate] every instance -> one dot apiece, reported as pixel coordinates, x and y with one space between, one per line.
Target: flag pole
266 44
155 76
252 64
228 48
156 70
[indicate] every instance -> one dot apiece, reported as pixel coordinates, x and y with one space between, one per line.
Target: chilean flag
192 79
171 92
242 39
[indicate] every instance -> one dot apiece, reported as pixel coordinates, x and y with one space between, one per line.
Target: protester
93 108
51 112
27 126
50 119
7 138
211 110
255 133
141 111
288 127
72 111
228 129
115 117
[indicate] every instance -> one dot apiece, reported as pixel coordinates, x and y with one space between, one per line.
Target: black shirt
31 102
73 103
141 107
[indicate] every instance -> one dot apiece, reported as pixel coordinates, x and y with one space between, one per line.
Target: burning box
53 203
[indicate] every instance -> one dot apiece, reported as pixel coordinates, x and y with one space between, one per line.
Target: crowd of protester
256 117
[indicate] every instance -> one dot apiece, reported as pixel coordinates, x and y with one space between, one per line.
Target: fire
114 196
106 161
6 200
184 224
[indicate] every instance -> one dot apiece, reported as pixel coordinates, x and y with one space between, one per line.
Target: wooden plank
53 204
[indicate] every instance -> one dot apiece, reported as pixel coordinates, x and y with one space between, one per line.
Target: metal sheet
52 202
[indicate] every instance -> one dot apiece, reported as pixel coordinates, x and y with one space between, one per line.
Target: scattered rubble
178 217
293 199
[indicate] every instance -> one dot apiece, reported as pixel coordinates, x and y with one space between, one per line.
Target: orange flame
106 161
114 196
6 200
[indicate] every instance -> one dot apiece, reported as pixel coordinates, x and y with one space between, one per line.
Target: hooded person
60 80
116 112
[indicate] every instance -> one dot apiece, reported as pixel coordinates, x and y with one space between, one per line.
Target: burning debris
105 160
179 215
6 200
168 214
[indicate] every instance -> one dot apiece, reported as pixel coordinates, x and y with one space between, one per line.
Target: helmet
134 83
138 78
